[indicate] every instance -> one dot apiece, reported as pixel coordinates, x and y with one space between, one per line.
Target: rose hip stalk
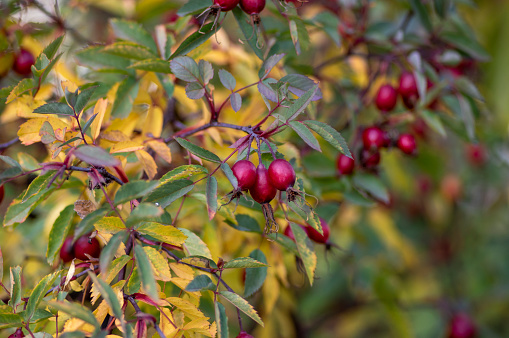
254 8
263 192
215 10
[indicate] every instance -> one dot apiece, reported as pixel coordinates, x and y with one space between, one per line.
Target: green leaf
372 185
442 7
96 156
50 67
114 268
15 287
13 170
38 184
76 310
236 101
124 98
87 224
169 192
194 40
211 196
198 151
433 120
194 245
247 30
11 319
129 50
57 108
422 13
244 262
299 105
19 210
184 171
74 138
270 63
96 58
466 44
305 134
164 233
330 135
206 71
133 31
133 190
83 98
306 253
21 88
242 305
185 68
153 65
110 225
468 88
134 283
195 91
146 273
299 33
108 294
300 84
108 252
467 115
329 23
194 7
199 283
38 294
255 276
59 232
227 79
229 174
145 212
51 50
221 320
245 223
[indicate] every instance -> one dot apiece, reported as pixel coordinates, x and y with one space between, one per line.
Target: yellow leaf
165 322
110 225
148 163
29 131
153 125
182 271
126 125
270 291
127 146
186 306
115 136
182 283
161 149
100 110
159 263
70 86
101 311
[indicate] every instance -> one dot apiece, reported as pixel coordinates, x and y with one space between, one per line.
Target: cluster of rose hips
263 184
80 249
251 7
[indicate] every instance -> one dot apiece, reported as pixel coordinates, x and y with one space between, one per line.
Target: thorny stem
101 171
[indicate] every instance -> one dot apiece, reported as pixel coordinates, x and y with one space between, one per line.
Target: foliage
134 114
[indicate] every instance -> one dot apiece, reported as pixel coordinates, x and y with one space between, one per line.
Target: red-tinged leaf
96 156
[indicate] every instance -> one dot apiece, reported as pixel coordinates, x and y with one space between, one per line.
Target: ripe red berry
386 98
462 326
281 174
67 250
316 236
252 6
408 89
345 165
370 159
18 334
226 5
2 193
475 153
407 144
245 172
244 335
373 138
289 233
262 191
85 245
23 62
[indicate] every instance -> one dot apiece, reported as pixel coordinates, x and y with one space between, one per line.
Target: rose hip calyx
281 174
245 172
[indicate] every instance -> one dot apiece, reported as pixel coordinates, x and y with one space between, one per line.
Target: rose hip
252 7
262 191
85 245
67 250
314 235
407 144
408 89
245 172
345 165
373 138
281 174
226 5
23 62
386 98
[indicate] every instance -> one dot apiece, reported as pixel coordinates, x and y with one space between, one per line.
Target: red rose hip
345 165
245 172
226 5
373 138
281 174
386 98
408 89
316 236
407 144
262 191
23 62
252 6
85 245
462 326
244 335
67 250
18 334
370 159
2 193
